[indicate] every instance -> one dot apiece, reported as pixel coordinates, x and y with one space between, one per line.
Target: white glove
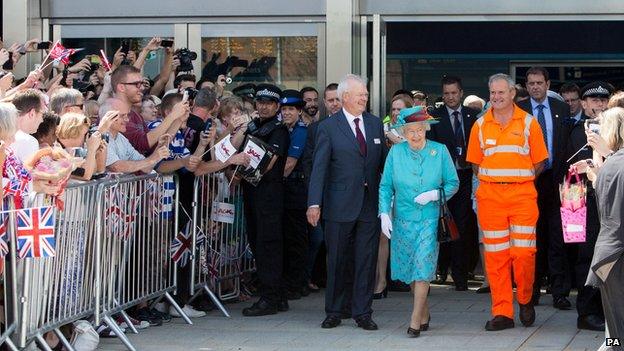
427 197
386 224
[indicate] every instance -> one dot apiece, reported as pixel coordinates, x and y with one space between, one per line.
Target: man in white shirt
121 156
30 106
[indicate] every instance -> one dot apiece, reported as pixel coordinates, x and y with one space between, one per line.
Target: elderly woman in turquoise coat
409 192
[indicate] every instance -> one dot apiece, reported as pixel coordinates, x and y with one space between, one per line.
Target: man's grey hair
108 105
62 98
206 98
502 76
345 83
8 120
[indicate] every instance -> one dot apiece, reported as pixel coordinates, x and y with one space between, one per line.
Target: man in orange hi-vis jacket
507 151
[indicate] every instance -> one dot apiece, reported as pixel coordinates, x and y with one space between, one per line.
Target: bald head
115 104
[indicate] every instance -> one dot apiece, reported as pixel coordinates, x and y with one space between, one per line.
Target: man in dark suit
453 131
348 161
554 118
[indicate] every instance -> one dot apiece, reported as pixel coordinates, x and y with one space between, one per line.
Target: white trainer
188 310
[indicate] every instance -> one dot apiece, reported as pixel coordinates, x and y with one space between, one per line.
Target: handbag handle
569 177
442 195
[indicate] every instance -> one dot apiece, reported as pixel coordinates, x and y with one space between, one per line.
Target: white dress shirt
351 118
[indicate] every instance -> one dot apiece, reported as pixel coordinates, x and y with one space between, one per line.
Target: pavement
457 321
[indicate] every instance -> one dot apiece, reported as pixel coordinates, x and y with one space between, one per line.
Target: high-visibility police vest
506 152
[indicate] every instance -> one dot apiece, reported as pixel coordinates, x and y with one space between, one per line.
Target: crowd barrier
113 252
220 243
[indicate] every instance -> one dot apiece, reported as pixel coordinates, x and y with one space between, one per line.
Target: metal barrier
59 290
113 241
9 280
136 237
220 244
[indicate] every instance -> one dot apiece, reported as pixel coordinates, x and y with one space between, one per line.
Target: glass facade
420 53
289 62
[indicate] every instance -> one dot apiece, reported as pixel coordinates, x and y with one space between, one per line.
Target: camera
186 58
192 93
94 129
252 127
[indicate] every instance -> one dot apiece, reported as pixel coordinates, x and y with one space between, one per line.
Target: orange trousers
507 215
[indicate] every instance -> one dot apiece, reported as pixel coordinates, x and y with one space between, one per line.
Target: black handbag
447 229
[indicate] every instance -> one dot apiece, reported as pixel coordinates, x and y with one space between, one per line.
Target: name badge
377 141
490 142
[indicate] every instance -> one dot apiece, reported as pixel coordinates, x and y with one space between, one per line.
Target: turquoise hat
413 115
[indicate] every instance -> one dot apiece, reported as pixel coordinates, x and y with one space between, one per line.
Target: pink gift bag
573 209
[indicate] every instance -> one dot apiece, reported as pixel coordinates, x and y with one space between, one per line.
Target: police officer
295 197
264 205
594 98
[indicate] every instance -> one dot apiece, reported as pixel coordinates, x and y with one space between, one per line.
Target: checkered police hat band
268 93
596 91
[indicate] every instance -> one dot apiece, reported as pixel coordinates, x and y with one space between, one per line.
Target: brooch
433 152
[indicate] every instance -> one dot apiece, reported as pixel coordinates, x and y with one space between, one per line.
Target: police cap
598 89
247 90
292 97
268 92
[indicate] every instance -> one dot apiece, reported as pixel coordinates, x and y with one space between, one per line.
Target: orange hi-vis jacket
506 154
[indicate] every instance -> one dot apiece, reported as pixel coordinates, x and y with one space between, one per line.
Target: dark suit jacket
443 132
560 112
340 172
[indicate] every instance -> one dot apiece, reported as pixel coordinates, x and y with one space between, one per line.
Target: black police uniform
264 209
295 226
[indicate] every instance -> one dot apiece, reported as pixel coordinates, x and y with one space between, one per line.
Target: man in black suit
453 131
348 159
553 116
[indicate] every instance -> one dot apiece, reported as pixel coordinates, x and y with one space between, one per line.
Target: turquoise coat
408 173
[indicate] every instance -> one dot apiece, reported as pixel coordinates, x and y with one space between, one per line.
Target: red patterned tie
360 137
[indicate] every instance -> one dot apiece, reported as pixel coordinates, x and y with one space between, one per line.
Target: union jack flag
121 214
35 232
4 238
60 54
181 245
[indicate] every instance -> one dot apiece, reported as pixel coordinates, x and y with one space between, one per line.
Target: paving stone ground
457 320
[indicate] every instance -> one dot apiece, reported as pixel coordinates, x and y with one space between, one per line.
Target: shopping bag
573 209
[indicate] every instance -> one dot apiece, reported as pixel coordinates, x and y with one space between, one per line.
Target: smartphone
9 64
594 126
185 96
208 125
44 45
95 59
125 47
166 43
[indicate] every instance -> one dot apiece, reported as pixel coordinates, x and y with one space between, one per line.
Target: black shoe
282 306
413 333
483 290
470 275
203 304
425 327
381 295
330 322
366 323
166 317
590 322
305 291
527 314
260 308
293 295
144 314
561 302
461 287
440 278
499 323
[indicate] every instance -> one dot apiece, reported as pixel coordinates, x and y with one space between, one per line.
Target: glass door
378 79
